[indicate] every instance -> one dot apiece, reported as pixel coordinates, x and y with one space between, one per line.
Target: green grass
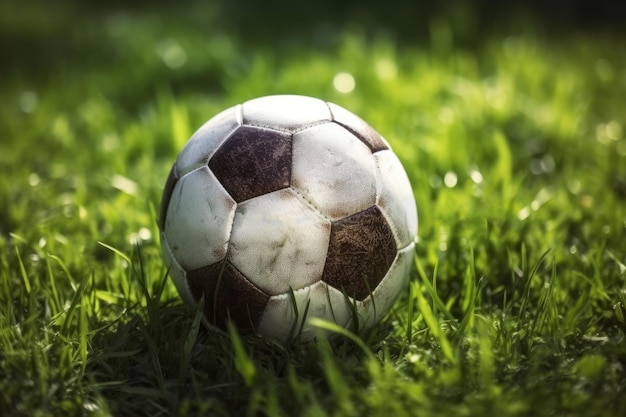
516 149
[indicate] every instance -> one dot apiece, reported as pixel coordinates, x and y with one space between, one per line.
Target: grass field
515 143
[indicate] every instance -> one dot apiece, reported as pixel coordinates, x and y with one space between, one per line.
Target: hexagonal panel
288 113
281 321
253 161
279 242
177 273
333 170
205 141
361 250
371 310
358 127
198 220
395 197
227 295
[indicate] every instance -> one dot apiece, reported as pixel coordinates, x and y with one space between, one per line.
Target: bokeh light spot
476 176
172 54
344 82
28 101
386 69
450 179
33 179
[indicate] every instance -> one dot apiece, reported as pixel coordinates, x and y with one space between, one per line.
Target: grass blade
244 365
435 329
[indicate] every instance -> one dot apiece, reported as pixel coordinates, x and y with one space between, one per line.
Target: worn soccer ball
286 208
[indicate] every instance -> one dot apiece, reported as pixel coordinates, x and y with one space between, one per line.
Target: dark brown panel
172 178
358 127
229 296
361 250
253 161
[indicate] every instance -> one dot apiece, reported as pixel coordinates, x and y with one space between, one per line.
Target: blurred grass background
508 116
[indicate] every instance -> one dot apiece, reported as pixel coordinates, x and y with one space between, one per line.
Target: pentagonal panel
282 321
333 170
228 295
279 242
177 273
199 219
207 139
361 250
358 127
171 181
253 161
395 197
289 113
373 308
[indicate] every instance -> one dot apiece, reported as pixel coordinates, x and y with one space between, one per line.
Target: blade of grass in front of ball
353 310
297 326
218 283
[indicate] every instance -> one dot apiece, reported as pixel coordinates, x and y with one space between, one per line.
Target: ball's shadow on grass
157 351
149 362
166 357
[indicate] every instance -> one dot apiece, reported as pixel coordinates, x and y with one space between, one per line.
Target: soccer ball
285 208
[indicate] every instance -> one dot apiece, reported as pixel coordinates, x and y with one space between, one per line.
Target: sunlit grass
517 154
